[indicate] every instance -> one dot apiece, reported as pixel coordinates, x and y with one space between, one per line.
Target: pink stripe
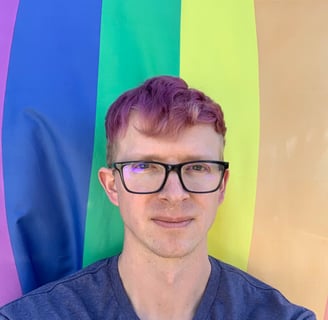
326 312
10 287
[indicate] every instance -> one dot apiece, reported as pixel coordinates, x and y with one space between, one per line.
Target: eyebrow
154 157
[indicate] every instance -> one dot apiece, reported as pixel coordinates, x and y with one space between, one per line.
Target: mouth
172 223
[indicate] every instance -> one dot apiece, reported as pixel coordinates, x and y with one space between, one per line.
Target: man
167 175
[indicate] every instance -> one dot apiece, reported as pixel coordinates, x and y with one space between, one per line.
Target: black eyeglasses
144 177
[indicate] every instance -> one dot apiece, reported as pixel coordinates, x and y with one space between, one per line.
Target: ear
223 186
107 180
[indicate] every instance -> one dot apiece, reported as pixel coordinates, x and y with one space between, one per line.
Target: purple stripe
10 287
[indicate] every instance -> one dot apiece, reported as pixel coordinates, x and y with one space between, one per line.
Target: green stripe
219 55
139 39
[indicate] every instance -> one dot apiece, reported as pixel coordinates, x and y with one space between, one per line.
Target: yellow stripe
218 54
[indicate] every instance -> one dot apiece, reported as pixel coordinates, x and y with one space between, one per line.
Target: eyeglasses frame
118 166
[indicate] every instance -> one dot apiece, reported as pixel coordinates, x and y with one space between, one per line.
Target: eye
197 168
144 167
139 166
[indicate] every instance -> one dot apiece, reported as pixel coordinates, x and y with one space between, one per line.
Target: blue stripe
48 130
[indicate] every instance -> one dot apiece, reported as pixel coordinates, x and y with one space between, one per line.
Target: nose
173 190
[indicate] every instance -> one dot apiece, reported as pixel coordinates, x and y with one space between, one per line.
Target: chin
177 252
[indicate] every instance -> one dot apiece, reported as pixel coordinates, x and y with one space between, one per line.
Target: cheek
210 205
124 197
132 206
125 204
211 200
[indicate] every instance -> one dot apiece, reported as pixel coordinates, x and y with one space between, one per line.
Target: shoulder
83 277
244 294
73 297
229 273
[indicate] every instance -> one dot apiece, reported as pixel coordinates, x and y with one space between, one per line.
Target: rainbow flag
62 63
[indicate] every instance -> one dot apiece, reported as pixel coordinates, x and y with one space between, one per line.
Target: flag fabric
62 63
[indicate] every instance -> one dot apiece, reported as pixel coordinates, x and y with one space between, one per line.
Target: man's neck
164 288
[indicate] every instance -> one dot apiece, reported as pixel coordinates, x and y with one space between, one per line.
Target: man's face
172 222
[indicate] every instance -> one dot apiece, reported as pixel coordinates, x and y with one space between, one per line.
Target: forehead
198 142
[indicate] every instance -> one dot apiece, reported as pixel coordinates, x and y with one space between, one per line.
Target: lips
172 223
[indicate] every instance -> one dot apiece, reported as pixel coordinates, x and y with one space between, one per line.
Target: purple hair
167 106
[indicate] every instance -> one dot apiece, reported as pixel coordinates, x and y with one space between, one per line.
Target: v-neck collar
202 310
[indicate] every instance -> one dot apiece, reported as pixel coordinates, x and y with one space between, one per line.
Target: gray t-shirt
97 292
